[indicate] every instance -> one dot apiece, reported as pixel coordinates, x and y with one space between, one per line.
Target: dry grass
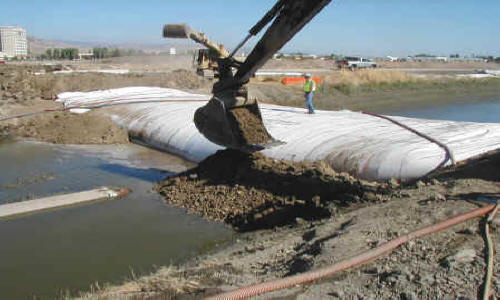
379 90
167 283
374 81
365 77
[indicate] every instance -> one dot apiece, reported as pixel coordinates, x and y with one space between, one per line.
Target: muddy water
68 250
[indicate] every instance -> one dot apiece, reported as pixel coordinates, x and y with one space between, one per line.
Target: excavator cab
230 118
204 64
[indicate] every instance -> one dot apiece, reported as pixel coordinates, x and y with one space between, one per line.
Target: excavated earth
251 191
250 126
297 217
24 90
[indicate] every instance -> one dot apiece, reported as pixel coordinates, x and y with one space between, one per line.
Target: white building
13 42
85 54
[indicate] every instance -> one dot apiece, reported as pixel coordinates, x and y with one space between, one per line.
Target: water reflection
72 248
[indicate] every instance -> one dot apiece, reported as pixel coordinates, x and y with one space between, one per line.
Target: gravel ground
446 265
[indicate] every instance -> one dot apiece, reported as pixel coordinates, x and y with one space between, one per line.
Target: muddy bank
448 264
20 83
66 128
22 91
251 191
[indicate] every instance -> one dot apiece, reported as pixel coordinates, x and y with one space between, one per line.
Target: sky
348 27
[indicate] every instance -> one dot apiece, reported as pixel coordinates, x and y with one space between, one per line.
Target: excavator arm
230 118
290 16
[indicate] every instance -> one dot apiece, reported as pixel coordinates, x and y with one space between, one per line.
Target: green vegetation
424 55
100 53
60 54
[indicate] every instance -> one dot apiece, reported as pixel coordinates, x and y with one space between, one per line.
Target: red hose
267 287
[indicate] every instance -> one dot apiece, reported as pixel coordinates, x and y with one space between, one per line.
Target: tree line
60 53
97 53
100 53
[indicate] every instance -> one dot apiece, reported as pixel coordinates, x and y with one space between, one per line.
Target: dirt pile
21 82
15 85
250 125
22 91
251 191
66 128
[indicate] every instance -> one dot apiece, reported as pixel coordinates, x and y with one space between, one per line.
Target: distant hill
39 46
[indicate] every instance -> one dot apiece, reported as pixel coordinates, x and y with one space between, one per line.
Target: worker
309 89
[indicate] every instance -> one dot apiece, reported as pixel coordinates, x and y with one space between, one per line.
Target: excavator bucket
176 31
239 127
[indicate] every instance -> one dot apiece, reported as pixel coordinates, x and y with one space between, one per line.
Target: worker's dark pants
309 101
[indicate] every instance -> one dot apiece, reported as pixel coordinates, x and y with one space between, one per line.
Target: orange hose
267 287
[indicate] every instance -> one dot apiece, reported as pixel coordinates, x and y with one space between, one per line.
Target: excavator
231 119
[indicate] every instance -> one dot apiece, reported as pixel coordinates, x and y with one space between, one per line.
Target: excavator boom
290 16
230 118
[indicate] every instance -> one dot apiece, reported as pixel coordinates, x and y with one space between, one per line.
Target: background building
13 42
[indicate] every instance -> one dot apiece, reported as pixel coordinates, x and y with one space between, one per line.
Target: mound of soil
22 91
250 125
251 191
67 128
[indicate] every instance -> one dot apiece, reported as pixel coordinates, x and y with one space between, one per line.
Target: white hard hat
307 75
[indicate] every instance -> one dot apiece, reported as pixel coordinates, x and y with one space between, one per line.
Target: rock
420 184
370 197
405 271
337 293
435 182
462 257
408 296
300 221
468 231
250 249
393 183
427 279
372 271
316 200
437 197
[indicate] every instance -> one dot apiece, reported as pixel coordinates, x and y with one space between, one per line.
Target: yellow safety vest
309 86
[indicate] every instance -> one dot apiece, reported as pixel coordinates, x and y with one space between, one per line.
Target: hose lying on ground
490 252
368 256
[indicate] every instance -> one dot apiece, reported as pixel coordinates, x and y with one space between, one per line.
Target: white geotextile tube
363 145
